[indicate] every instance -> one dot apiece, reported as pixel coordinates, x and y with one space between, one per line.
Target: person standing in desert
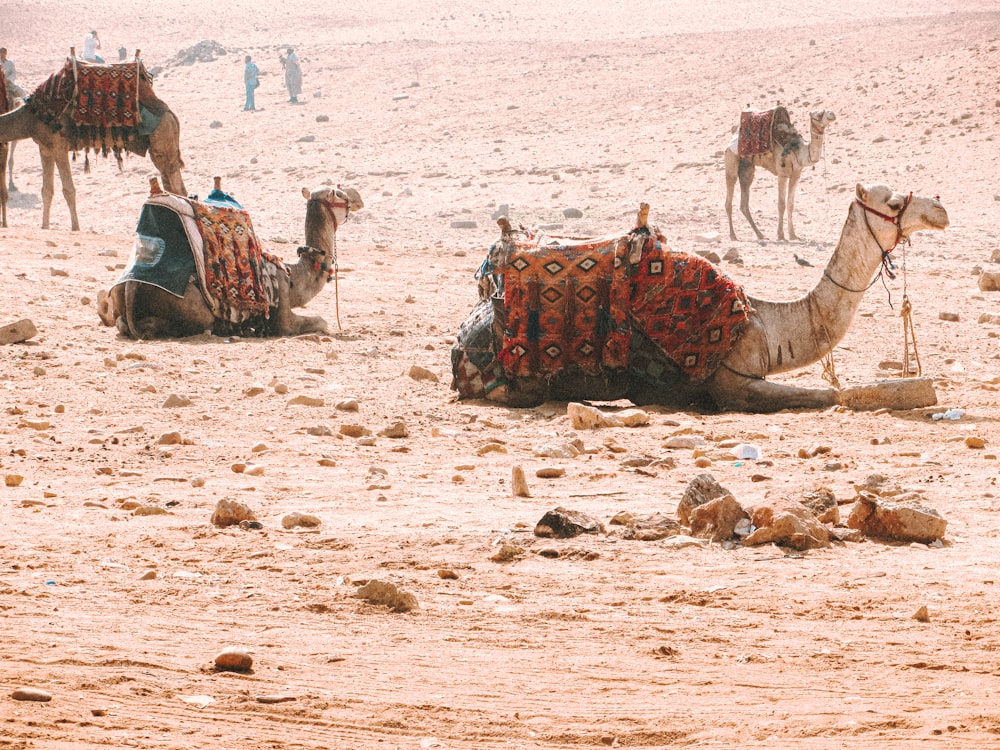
293 75
251 82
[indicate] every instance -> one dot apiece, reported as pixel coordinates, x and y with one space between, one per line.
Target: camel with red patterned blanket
51 118
225 292
773 337
785 158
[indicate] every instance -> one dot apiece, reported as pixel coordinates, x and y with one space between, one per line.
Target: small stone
633 417
366 440
555 450
716 520
948 316
550 472
269 699
15 333
586 417
230 513
259 448
280 388
562 523
710 238
254 470
254 390
304 520
354 430
170 438
700 490
422 373
396 430
922 615
31 694
464 224
684 442
174 401
572 213
13 480
149 575
518 482
198 481
989 281
974 442
491 448
348 404
387 594
320 430
703 462
302 400
447 575
149 510
234 659
507 553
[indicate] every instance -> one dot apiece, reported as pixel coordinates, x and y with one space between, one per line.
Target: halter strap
897 220
331 206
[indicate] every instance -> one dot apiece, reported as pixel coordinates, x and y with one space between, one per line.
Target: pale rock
708 238
700 490
305 520
901 521
550 472
951 317
716 520
387 594
491 448
586 417
174 401
170 438
397 429
303 400
556 450
15 333
234 659
231 512
367 440
684 442
649 528
31 694
13 480
348 404
354 430
507 553
254 470
680 541
789 523
518 482
254 390
633 417
149 575
280 388
150 510
320 430
989 281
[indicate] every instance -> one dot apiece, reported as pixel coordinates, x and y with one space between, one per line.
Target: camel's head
899 213
329 207
820 118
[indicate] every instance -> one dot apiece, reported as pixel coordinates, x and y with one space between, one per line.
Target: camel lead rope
908 337
829 371
336 283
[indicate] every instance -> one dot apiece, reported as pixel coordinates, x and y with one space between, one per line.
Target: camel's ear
861 192
306 194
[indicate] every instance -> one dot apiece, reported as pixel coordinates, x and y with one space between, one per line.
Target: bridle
331 268
887 267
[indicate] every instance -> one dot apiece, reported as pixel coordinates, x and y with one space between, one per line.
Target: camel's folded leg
733 392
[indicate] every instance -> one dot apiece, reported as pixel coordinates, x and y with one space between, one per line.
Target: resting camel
143 311
55 146
779 337
786 163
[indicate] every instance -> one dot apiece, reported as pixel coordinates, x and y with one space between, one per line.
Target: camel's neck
814 149
18 125
803 331
306 280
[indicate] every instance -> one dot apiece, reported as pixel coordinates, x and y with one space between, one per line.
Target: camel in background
786 162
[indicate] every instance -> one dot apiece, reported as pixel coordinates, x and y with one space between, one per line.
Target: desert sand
440 114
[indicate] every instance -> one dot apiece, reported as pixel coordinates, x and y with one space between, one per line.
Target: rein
333 268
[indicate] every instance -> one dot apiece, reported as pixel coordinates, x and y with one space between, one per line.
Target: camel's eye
896 204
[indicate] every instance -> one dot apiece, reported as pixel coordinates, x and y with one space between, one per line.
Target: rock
553 450
322 118
149 575
586 417
464 224
561 523
388 595
518 483
254 390
649 528
303 400
13 480
700 490
307 139
174 401
901 394
15 333
320 430
550 472
972 441
989 281
234 659
507 553
170 438
710 255
789 523
951 317
270 699
684 442
897 520
31 694
396 430
254 470
491 448
716 520
703 462
680 541
922 615
823 503
572 213
348 404
149 510
304 520
447 575
989 318
230 513
633 417
354 430
422 373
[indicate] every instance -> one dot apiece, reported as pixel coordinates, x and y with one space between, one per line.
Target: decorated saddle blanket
759 131
565 304
108 106
474 364
686 306
5 102
211 242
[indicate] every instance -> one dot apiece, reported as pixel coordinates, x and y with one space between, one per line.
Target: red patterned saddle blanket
759 131
4 94
687 307
565 305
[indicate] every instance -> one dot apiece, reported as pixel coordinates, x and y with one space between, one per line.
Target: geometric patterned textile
474 364
688 308
235 274
565 305
759 131
107 96
4 94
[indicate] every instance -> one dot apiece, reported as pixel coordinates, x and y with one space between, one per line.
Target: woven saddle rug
4 94
109 106
760 131
238 279
565 304
687 307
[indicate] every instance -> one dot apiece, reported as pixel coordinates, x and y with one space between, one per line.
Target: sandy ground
439 114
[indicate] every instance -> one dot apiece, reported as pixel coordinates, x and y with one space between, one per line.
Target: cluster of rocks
234 513
204 51
812 520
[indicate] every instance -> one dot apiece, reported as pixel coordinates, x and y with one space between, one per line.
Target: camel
779 336
55 146
144 311
786 163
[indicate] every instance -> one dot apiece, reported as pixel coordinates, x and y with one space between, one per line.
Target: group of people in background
293 78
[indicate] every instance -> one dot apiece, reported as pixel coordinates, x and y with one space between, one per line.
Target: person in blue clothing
251 82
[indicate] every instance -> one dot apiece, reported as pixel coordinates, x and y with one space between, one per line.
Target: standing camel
58 136
786 163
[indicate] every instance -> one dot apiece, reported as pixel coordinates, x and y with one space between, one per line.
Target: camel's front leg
793 183
782 200
68 188
746 174
290 324
733 392
48 185
52 160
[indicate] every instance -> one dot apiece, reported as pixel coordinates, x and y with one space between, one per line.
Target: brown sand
438 113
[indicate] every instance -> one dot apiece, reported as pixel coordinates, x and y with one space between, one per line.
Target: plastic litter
747 451
953 414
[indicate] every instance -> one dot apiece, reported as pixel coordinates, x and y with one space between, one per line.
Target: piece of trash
953 414
51 583
747 452
197 700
